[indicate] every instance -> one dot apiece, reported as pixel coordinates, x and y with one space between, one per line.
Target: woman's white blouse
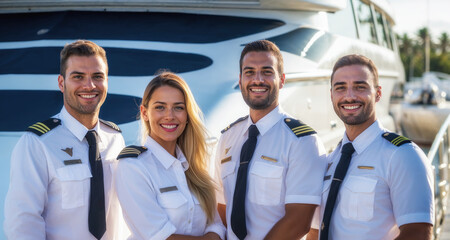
155 198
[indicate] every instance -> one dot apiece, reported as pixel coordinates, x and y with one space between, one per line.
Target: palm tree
424 36
443 43
407 53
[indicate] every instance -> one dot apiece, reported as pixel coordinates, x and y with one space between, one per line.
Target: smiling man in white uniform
57 163
272 190
387 190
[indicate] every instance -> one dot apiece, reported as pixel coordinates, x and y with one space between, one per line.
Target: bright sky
411 15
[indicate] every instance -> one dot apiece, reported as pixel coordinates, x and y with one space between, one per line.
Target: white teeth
258 90
168 126
351 107
87 96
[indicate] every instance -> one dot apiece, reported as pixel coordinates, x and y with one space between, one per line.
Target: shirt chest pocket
227 172
357 198
265 183
174 204
75 185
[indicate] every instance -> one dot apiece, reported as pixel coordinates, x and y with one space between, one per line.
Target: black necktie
238 211
339 175
97 215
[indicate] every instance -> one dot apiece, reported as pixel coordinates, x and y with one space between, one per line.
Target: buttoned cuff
303 199
216 228
415 218
167 230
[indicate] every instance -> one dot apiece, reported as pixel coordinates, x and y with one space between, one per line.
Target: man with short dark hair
271 165
379 185
61 169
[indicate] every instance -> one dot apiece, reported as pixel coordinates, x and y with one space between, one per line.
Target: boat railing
439 155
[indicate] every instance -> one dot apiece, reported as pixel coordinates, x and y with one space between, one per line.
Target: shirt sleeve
306 169
116 225
411 186
143 214
216 227
27 194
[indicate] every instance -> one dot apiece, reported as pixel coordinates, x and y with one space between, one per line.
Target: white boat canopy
145 5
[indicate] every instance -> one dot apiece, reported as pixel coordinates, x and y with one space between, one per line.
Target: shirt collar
363 140
76 128
163 156
267 122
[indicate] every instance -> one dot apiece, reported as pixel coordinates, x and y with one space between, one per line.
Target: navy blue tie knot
348 148
253 131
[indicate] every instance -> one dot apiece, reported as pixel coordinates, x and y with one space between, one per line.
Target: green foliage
412 53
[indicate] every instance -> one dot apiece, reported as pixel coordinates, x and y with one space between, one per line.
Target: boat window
309 43
121 61
366 23
381 31
391 35
138 26
31 106
343 22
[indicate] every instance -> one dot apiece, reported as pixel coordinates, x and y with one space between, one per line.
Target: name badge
227 159
269 158
366 167
72 162
168 189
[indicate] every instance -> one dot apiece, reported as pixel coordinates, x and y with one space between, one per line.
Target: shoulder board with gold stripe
131 152
43 127
234 123
111 125
298 128
395 139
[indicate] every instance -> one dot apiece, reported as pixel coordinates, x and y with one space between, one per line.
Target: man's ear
240 81
282 79
61 83
378 96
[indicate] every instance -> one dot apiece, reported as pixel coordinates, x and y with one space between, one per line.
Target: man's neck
353 131
88 120
256 115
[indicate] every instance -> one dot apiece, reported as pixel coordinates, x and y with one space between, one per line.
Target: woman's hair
191 141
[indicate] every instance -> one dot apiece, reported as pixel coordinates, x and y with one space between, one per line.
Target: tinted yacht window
343 22
306 42
145 26
121 61
366 23
381 31
29 107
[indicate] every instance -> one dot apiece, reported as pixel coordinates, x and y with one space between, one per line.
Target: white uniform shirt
385 187
284 169
50 200
155 197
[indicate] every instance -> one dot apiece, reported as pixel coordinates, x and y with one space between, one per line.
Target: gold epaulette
298 128
234 123
111 125
131 152
43 127
395 139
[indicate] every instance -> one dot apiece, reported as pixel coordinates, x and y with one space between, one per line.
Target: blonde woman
164 187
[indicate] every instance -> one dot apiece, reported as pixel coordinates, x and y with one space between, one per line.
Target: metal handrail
439 138
441 146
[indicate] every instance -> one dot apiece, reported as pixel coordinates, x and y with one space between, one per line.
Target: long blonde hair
191 141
